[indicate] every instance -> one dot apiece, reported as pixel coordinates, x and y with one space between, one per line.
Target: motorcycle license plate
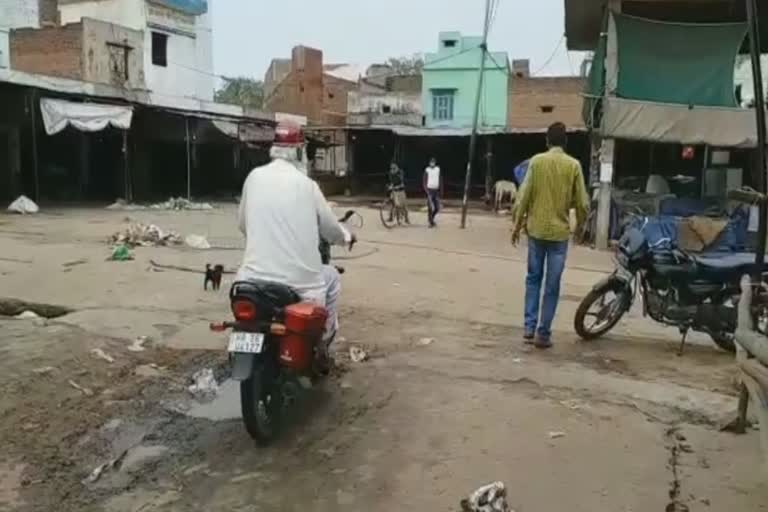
246 342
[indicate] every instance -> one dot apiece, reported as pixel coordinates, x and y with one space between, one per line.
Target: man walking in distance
553 185
432 186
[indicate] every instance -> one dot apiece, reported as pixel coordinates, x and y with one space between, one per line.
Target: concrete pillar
604 194
607 148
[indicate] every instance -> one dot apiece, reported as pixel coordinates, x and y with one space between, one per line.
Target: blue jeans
433 204
550 256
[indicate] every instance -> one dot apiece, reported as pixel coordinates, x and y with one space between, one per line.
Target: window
118 62
442 104
386 109
546 109
160 49
449 43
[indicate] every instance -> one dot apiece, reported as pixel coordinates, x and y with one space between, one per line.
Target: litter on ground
423 342
556 435
85 391
138 344
27 315
357 354
173 203
488 498
23 205
197 242
179 203
97 352
121 253
100 469
204 382
144 235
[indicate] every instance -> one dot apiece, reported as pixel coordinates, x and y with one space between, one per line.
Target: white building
178 55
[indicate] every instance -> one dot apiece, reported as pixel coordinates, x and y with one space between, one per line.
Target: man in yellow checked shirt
553 185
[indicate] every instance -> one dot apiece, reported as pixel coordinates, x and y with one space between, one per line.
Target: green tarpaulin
689 64
595 87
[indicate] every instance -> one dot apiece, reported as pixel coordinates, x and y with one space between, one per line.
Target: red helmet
287 134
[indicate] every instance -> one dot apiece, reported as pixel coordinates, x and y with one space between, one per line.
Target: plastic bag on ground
23 205
488 498
204 382
197 242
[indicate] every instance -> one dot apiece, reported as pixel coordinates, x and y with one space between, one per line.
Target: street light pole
476 115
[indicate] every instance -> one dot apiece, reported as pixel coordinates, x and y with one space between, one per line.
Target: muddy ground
449 400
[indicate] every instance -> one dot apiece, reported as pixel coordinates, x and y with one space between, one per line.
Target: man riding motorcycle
283 215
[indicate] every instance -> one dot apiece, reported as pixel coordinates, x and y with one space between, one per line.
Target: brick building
537 102
309 88
90 51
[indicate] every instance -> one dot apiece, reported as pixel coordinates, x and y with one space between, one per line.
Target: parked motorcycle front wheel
602 309
261 403
724 340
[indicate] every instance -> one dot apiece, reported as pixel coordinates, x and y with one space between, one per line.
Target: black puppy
213 276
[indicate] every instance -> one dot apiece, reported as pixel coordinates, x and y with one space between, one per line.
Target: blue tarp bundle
662 232
520 172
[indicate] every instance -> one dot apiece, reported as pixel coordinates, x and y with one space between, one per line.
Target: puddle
15 307
226 405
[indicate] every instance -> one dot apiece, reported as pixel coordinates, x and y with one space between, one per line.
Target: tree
242 91
406 65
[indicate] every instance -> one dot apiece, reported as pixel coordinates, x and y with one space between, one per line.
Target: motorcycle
276 348
678 289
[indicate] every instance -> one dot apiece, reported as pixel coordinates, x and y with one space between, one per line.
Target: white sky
249 33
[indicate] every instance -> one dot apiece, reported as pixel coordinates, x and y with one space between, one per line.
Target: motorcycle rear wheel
602 325
261 404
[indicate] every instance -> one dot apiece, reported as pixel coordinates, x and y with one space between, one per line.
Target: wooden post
127 169
35 163
489 170
189 160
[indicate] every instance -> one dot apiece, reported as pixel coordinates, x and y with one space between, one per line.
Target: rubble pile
179 203
173 203
145 235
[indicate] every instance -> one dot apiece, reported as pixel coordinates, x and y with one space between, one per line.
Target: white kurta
283 214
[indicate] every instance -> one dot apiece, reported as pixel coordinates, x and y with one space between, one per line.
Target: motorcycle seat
731 261
265 293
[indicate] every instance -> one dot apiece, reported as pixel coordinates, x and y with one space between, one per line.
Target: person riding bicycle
396 189
284 216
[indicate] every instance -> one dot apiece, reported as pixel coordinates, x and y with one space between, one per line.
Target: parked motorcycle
678 289
275 347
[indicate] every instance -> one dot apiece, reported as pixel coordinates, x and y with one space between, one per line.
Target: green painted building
450 84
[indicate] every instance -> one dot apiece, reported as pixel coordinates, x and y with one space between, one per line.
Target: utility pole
757 80
478 97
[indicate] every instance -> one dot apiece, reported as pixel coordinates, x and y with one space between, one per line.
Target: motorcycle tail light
244 310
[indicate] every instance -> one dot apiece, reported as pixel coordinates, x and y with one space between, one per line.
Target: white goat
502 189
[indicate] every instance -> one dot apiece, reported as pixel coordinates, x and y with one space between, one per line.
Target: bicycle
391 214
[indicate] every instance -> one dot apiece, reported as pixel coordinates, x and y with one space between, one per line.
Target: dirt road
449 400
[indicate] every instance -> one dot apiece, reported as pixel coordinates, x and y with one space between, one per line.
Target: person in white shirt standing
432 187
283 215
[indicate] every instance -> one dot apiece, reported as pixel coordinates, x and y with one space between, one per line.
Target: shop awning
87 117
666 122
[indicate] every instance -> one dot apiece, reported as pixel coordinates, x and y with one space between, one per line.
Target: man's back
279 217
553 185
